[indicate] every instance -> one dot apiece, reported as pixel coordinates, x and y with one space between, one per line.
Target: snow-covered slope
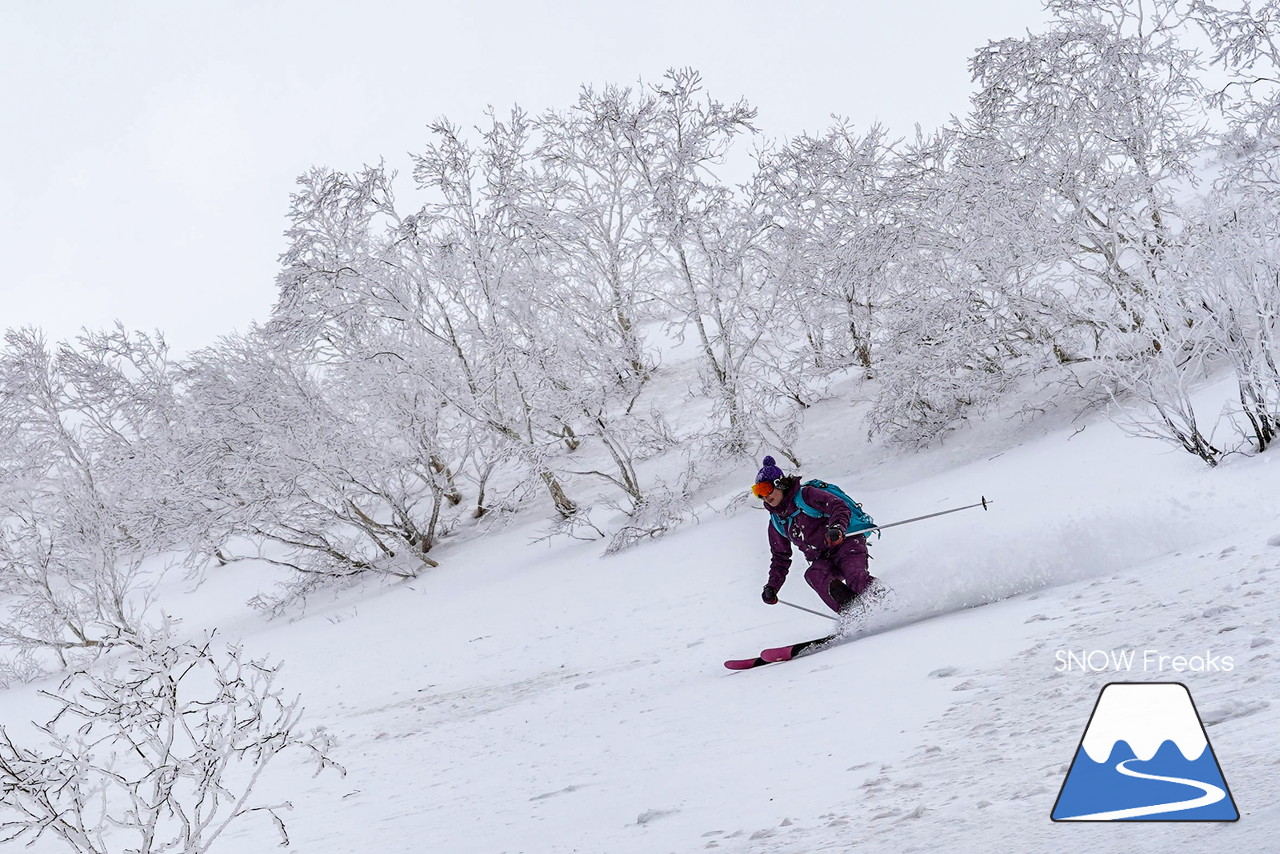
537 697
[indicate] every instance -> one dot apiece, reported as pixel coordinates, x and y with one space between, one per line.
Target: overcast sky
150 147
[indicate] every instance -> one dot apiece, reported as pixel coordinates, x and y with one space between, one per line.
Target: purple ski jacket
805 531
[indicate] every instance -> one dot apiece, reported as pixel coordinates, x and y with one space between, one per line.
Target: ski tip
741 663
782 653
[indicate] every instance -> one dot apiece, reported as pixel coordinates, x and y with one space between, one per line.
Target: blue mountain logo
1145 756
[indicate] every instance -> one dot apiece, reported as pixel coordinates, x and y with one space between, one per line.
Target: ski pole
983 504
809 610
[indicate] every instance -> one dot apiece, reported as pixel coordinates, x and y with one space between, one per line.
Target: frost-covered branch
161 753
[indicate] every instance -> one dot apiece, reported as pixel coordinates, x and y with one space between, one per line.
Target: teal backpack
858 518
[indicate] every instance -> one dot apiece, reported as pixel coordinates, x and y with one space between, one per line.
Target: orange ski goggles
760 490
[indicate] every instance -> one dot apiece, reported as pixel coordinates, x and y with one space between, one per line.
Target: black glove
835 536
769 595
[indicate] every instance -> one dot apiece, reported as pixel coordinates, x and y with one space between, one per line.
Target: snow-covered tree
1236 256
539 255
595 218
1102 115
304 473
838 205
1156 386
1220 301
481 239
87 487
709 244
1246 42
356 300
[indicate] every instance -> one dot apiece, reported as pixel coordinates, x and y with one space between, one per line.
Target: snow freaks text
1145 661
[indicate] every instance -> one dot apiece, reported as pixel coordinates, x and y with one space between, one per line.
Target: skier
837 561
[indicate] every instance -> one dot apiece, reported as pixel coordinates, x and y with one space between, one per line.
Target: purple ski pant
848 564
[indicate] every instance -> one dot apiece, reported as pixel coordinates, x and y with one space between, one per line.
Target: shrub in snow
162 754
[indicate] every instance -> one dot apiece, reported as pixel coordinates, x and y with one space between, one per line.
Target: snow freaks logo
1145 756
1148 661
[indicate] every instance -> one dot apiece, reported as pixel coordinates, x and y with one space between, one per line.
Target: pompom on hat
770 472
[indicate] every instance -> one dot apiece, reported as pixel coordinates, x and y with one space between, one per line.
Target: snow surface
538 697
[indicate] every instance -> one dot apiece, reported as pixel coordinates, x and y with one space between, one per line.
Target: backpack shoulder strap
858 518
805 507
780 525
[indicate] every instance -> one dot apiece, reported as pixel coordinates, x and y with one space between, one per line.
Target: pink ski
786 653
775 655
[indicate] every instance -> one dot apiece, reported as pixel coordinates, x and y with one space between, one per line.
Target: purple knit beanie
770 472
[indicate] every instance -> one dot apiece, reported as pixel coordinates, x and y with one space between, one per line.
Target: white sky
151 147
